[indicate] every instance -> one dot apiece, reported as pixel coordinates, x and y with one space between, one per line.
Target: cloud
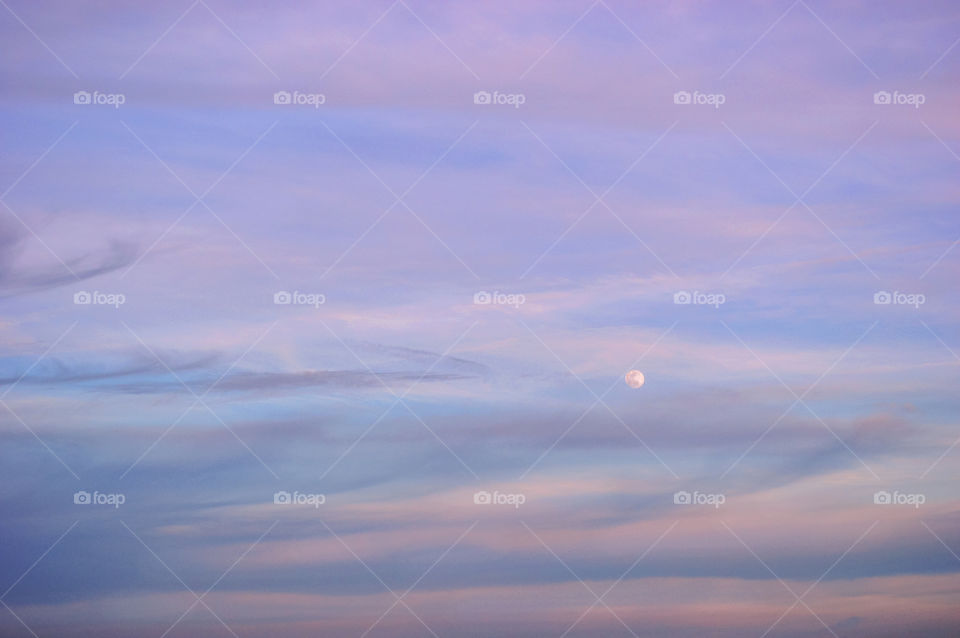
16 279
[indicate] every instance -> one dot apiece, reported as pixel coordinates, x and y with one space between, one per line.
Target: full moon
634 378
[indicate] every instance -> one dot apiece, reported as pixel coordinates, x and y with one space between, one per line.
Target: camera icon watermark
897 298
98 498
299 498
699 98
116 100
497 98
484 497
297 298
884 497
97 298
916 100
697 298
698 498
298 98
497 298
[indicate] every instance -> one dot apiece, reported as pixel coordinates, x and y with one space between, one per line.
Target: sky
316 319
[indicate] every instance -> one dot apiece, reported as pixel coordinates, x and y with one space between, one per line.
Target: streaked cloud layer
407 304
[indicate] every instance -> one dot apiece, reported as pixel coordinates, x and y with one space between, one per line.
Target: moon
634 379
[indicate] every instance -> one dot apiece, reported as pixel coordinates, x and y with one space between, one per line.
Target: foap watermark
897 298
698 498
97 298
884 497
298 98
484 497
699 98
900 99
98 498
297 298
498 98
299 498
99 99
697 298
497 298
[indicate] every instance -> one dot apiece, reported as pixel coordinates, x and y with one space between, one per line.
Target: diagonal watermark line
357 441
217 582
399 399
799 399
760 160
839 159
619 580
936 536
172 172
24 574
380 580
841 242
798 199
40 358
757 41
442 243
200 199
39 159
357 41
559 159
198 400
183 15
940 59
942 342
417 582
940 458
40 558
19 619
957 442
599 600
40 40
40 240
398 199
580 19
560 39
239 39
440 440
240 240
20 219
598 400
219 179
598 199
181 581
440 40
17 416
839 39
756 241
799 599
954 244
639 39
37 437
940 139
818 19
162 36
